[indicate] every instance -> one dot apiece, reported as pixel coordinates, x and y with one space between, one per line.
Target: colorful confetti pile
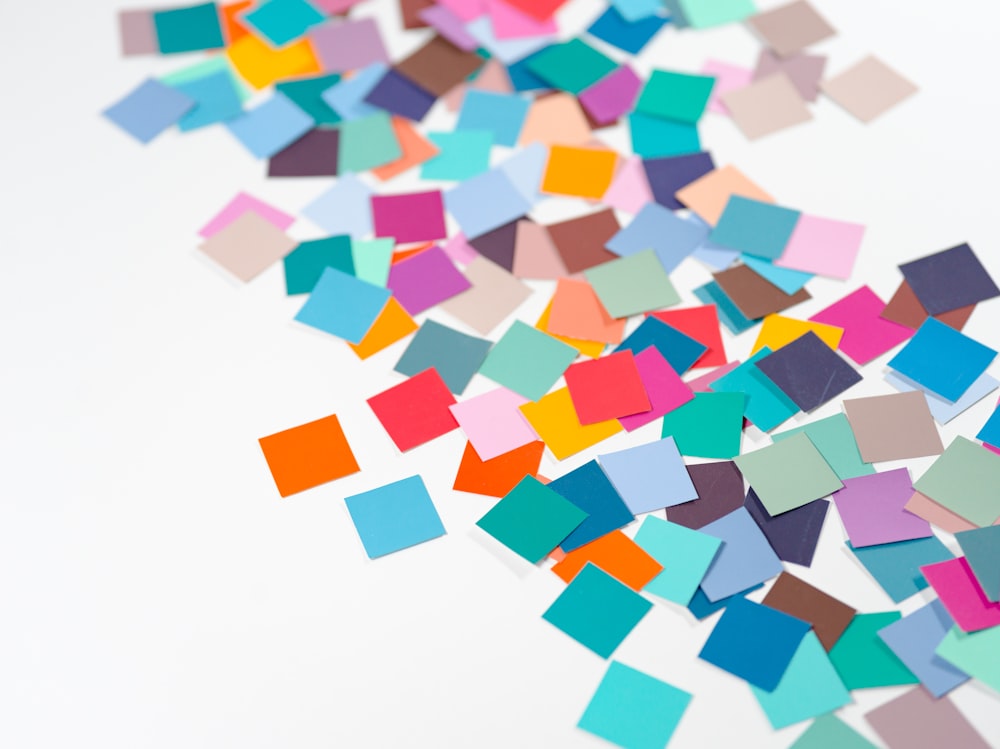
309 86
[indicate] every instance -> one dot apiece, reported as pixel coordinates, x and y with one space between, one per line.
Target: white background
154 589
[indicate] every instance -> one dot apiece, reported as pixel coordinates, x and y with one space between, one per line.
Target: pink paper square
348 45
872 509
448 25
727 78
467 10
959 591
822 246
664 387
866 334
244 203
459 249
410 217
494 423
510 23
629 190
613 96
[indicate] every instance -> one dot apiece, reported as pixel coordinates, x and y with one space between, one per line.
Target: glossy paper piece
461 155
745 559
982 553
439 66
708 426
896 567
701 14
809 372
754 642
589 488
828 616
937 515
959 591
372 259
914 639
789 281
261 65
409 217
497 476
664 387
395 516
531 520
834 439
244 203
248 246
794 534
494 295
867 334
216 95
632 285
188 29
308 455
669 175
505 363
597 611
654 137
593 349
872 509
720 492
649 477
868 89
657 228
788 474
893 427
614 553
456 356
767 106
685 555
415 411
755 227
917 719
964 480
863 660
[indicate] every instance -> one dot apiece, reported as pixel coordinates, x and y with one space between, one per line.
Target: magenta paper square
411 217
866 335
423 280
959 591
665 388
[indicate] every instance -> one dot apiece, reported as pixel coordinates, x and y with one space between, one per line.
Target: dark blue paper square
794 534
680 350
949 279
399 95
612 27
808 371
590 489
669 174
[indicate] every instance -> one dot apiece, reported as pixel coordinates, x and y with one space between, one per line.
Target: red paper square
702 324
415 411
606 388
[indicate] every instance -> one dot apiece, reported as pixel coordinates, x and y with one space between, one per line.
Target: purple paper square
613 96
425 279
348 45
794 534
669 174
397 94
872 509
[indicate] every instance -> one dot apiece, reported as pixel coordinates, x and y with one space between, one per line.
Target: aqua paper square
307 93
653 137
685 554
527 361
305 264
501 114
755 227
394 516
675 96
766 405
634 710
835 441
283 21
216 100
896 567
343 305
461 155
149 109
701 14
456 356
190 29
271 126
597 611
729 313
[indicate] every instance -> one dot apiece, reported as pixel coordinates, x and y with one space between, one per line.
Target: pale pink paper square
959 591
459 249
510 23
665 388
244 203
866 334
467 10
727 78
822 246
935 514
493 422
629 190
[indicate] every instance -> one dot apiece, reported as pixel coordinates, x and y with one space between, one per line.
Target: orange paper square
415 147
393 324
579 172
616 554
309 455
497 476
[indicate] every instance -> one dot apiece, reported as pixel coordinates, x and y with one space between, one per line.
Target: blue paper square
456 356
766 406
485 202
216 100
915 637
149 109
344 208
397 94
631 36
649 477
519 71
589 488
653 137
942 360
283 21
657 228
395 516
680 350
343 305
896 567
501 114
347 98
754 227
754 642
702 608
745 559
271 126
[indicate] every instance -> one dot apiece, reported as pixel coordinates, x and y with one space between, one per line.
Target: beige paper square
495 293
767 106
707 196
248 246
893 427
868 89
791 27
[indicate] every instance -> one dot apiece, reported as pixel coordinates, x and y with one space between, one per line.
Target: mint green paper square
532 519
710 425
685 555
190 29
965 479
862 658
675 96
704 13
634 710
366 143
654 137
597 611
830 732
633 284
306 263
571 66
527 361
975 653
809 687
462 154
372 259
788 474
307 94
835 441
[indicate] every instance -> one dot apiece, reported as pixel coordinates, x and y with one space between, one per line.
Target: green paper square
965 479
634 710
532 519
188 29
306 93
701 14
306 263
527 361
685 555
708 426
372 259
788 474
863 660
633 284
597 611
675 96
830 732
571 66
367 143
834 439
462 154
974 652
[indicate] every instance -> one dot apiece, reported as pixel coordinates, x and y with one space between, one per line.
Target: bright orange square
579 172
393 324
231 25
309 455
497 476
616 554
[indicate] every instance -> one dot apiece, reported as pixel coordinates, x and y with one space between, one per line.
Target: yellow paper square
554 419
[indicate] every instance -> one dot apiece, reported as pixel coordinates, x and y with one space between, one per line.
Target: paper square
680 350
555 421
425 279
581 241
755 227
307 93
343 305
653 137
664 387
577 312
804 71
497 476
271 126
149 109
630 36
461 155
745 558
868 89
456 356
942 360
347 97
893 427
612 97
589 488
974 653
896 567
828 616
485 202
866 335
657 228
247 246
675 96
571 66
767 106
409 217
791 27
348 44
830 731
494 295
702 324
579 172
959 591
720 492
728 77
216 99
395 516
606 388
809 372
283 21
788 474
315 154
308 455
614 553
916 719
629 190
766 405
982 552
367 142
684 553
863 660
416 410
709 426
948 280
709 195
345 208
393 324
493 422
189 29
669 175
834 439
649 477
305 264
505 363
823 246
872 509
793 534
501 114
914 638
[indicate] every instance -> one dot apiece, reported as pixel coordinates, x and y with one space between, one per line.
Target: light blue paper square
485 202
501 114
347 98
746 558
657 228
685 555
149 109
915 637
395 516
345 208
650 477
217 100
944 410
271 126
343 305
